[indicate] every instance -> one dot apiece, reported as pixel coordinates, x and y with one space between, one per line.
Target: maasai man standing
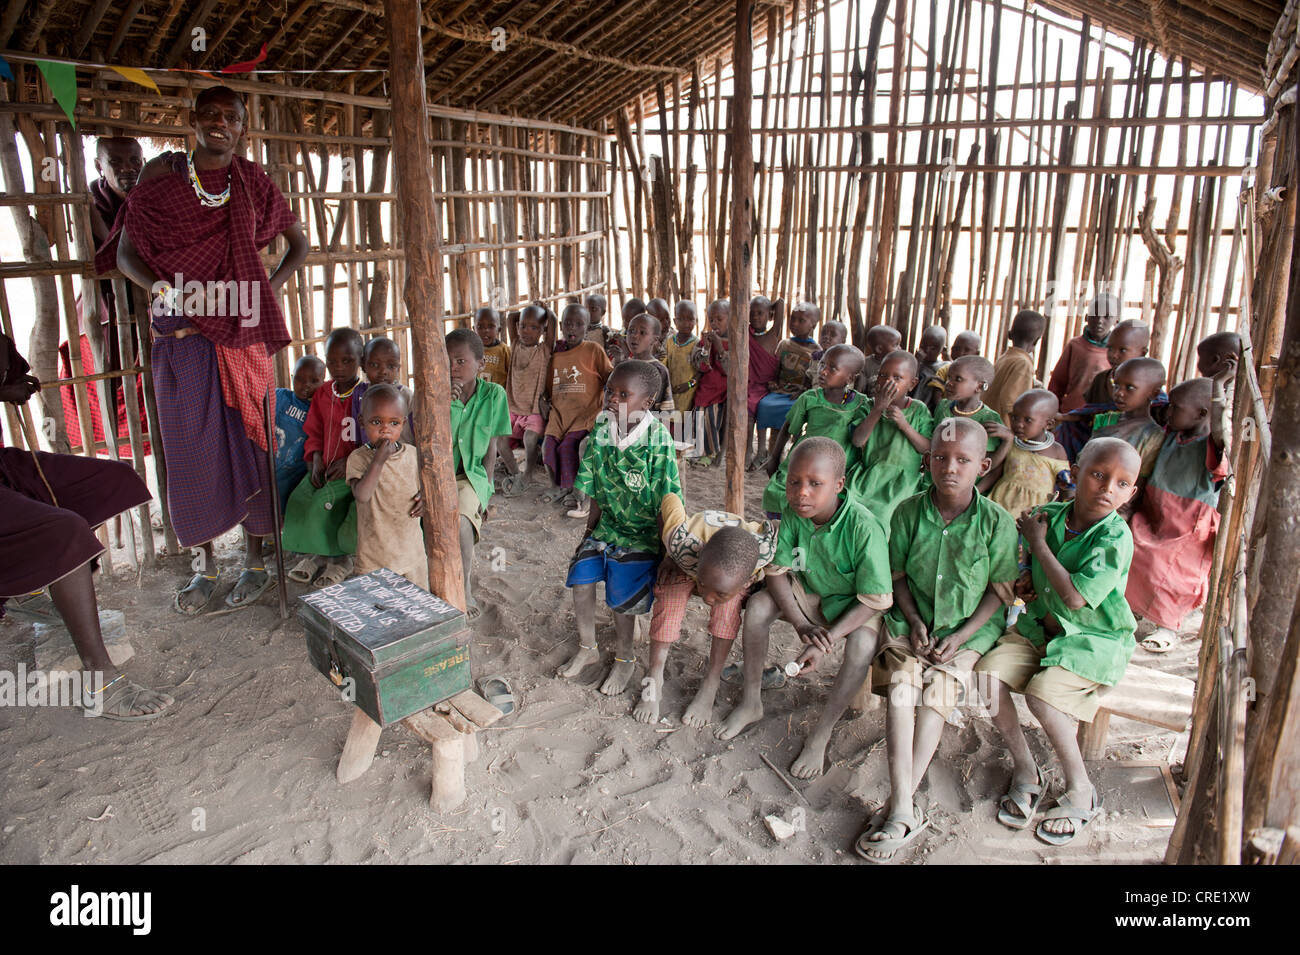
191 233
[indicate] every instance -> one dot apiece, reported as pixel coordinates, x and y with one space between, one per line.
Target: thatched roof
572 60
1228 37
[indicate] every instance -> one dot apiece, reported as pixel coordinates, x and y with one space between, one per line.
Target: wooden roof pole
418 224
738 279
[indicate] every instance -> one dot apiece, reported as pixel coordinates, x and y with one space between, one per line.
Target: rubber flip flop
496 690
194 582
773 676
256 592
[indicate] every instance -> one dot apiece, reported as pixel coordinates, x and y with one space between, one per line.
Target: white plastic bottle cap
792 669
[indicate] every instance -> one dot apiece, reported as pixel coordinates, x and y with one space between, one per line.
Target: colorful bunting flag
62 80
247 65
5 71
136 76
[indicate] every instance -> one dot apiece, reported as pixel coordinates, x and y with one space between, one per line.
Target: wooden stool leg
471 746
1092 736
448 774
359 748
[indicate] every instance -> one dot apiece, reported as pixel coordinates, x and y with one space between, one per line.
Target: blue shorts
629 575
772 410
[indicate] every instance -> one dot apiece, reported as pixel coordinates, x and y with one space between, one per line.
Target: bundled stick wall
948 162
523 207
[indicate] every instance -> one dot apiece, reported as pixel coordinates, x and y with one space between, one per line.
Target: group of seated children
920 499
908 534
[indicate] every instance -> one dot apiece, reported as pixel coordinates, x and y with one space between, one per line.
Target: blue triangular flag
5 71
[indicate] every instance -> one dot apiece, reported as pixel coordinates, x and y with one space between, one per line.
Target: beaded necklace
212 200
1035 446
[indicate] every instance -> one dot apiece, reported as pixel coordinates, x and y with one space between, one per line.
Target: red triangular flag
247 65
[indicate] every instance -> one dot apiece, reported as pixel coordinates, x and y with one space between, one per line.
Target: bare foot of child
700 712
584 658
742 717
647 710
619 675
810 760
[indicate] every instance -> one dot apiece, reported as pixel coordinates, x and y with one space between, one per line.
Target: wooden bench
449 728
1146 695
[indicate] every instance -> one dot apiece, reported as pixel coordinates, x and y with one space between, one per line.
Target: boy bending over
829 580
952 553
718 556
629 465
1074 637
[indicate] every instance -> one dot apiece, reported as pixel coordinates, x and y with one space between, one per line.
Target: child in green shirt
480 413
830 580
890 440
952 553
1074 637
832 409
629 465
968 379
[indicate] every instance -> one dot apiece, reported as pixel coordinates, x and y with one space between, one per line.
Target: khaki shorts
1019 664
811 605
468 504
942 687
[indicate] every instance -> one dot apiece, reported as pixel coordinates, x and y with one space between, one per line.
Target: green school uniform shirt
812 415
950 566
1096 641
887 470
473 426
844 558
984 413
629 483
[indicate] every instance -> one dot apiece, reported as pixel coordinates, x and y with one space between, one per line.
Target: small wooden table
450 728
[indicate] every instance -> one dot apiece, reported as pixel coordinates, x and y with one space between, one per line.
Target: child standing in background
1084 355
291 406
710 358
678 357
384 474
496 353
966 343
320 517
479 415
530 361
574 394
642 337
929 355
1137 384
831 334
1013 372
968 378
763 367
382 363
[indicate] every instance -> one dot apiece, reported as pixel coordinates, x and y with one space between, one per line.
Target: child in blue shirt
291 406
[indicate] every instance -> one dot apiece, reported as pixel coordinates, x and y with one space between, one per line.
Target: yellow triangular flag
136 76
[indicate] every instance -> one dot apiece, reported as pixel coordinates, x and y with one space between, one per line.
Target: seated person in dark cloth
46 540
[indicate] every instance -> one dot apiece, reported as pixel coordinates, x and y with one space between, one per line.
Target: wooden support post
742 178
413 179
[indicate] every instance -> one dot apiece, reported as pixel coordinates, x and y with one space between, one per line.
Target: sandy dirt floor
243 770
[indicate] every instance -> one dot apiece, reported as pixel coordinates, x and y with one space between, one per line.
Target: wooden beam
413 182
738 279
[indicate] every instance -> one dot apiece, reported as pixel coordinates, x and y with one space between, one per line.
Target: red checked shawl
175 234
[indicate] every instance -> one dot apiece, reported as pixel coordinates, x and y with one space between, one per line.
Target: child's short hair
1133 325
346 336
645 373
852 354
377 343
762 301
732 550
827 449
656 326
1148 368
1038 396
633 306
468 338
902 355
890 330
594 299
976 365
1199 390
573 308
309 359
492 312
1110 446
381 392
959 429
1028 325
1220 343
